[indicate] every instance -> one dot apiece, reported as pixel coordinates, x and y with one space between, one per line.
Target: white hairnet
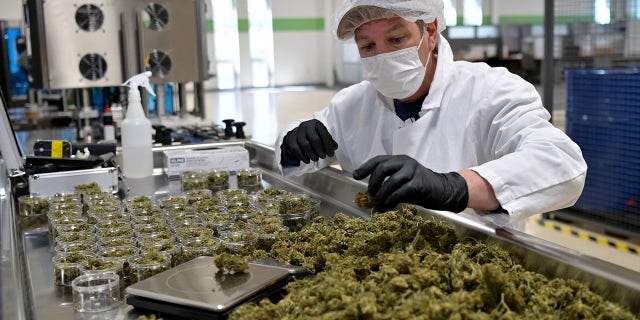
355 13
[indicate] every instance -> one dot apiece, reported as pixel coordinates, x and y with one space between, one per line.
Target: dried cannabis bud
88 188
400 266
230 263
364 200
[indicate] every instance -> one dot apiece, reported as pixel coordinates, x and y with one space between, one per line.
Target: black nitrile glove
310 141
410 182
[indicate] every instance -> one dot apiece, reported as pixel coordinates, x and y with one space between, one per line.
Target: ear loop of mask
424 31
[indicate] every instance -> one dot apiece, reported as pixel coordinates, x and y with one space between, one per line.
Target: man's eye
367 47
396 40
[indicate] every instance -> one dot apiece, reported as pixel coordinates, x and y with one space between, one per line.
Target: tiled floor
266 111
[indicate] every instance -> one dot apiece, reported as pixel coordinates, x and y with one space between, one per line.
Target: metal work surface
32 295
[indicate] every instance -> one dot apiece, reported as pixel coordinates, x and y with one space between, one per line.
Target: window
450 13
602 12
472 12
226 39
261 42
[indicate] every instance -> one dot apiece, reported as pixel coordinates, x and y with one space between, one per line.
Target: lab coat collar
441 78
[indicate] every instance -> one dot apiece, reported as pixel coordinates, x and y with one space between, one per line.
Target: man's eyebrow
396 26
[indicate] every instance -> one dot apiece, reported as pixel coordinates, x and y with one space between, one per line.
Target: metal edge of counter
16 303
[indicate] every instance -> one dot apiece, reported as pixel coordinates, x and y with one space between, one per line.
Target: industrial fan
92 66
89 17
156 17
159 63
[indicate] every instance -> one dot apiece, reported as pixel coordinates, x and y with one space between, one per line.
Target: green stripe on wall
281 24
521 19
567 19
243 25
209 26
298 24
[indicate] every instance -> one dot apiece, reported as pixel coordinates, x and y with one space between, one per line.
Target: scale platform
196 290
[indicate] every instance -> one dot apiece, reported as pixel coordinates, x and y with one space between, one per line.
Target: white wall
11 10
515 8
299 56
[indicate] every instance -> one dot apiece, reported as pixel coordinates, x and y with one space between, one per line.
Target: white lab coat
478 117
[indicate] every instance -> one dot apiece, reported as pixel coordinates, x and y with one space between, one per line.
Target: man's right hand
310 141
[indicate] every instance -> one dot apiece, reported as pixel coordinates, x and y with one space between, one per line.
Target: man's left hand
400 178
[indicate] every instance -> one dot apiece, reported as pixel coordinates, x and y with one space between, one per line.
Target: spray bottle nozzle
140 80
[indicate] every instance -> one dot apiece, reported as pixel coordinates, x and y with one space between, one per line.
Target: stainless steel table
28 290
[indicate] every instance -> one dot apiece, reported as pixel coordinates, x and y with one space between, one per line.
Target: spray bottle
137 153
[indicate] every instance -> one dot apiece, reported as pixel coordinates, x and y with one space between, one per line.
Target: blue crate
603 118
604 93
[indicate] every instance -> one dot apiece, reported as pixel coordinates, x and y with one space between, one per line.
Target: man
429 131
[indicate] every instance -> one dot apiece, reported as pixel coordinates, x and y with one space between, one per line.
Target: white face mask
397 74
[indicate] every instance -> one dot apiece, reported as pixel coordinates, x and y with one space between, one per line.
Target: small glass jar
67 266
117 242
52 215
156 236
78 246
107 205
96 292
76 236
204 209
153 220
218 180
116 232
122 255
196 195
171 201
66 206
238 200
193 180
172 249
183 217
144 229
99 265
111 224
242 212
138 202
215 222
267 200
97 196
194 248
236 226
148 264
65 197
107 213
224 194
188 232
145 212
249 178
268 234
67 224
235 242
265 219
296 221
33 211
296 210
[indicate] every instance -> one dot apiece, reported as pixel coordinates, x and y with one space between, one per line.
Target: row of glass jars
215 180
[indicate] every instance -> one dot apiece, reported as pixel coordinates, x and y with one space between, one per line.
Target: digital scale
197 290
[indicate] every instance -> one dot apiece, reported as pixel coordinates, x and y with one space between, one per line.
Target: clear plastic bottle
137 153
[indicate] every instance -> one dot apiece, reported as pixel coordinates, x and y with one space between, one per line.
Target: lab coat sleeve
537 167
